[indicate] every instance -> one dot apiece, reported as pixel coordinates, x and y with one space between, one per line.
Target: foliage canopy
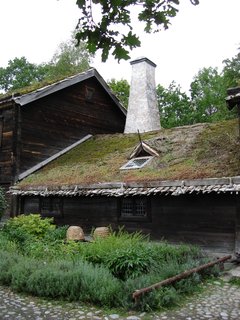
114 30
66 61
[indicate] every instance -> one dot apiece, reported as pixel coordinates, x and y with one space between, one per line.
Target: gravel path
217 301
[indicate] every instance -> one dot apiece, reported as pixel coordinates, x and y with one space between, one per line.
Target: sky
199 36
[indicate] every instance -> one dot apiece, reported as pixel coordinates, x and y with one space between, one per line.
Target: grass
189 152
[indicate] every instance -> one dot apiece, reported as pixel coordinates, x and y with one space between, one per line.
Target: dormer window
140 156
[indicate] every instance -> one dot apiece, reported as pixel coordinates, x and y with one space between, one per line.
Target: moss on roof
189 152
35 86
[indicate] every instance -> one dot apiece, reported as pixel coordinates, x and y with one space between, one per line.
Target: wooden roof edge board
55 156
51 88
6 99
62 84
233 91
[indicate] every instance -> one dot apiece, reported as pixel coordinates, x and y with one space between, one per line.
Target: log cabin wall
85 212
54 122
205 220
7 155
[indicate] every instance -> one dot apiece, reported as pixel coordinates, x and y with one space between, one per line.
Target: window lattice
50 206
140 208
134 207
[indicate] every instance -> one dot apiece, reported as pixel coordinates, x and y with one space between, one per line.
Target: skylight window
136 163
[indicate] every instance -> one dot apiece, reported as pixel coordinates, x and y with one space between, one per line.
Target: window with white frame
136 163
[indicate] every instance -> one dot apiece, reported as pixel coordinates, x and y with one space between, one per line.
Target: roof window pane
136 163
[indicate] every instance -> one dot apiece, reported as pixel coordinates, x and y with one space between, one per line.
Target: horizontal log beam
136 294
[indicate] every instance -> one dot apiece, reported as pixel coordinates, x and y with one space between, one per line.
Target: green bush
163 251
102 248
129 262
7 261
48 250
22 271
55 234
27 227
3 202
76 281
6 244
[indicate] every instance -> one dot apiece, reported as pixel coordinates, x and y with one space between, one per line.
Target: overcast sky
200 36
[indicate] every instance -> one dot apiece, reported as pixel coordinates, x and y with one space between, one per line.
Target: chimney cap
142 59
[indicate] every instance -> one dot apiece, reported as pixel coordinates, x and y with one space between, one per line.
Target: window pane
140 208
56 204
127 207
46 204
134 207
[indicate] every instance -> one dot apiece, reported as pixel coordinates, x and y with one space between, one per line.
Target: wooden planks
54 122
6 146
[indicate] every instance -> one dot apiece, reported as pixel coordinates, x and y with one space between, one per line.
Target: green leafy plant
129 262
32 224
55 234
113 28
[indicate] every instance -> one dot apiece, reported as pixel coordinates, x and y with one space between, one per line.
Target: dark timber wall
7 155
205 220
34 132
54 122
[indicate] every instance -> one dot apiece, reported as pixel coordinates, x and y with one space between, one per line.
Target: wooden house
180 184
38 126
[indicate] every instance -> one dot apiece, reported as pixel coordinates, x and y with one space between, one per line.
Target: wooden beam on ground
136 294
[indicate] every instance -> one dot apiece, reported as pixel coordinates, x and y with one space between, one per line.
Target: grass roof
189 152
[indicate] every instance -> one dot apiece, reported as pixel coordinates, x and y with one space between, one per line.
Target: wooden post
14 206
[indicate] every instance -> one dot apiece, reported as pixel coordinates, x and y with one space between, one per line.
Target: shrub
6 244
7 261
58 233
75 281
163 251
48 250
102 248
3 202
129 262
21 273
27 227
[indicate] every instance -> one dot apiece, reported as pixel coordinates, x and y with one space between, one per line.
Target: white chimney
143 112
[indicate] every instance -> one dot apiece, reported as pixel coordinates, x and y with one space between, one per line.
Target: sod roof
188 152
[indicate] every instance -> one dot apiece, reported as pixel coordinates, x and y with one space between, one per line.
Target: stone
114 316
